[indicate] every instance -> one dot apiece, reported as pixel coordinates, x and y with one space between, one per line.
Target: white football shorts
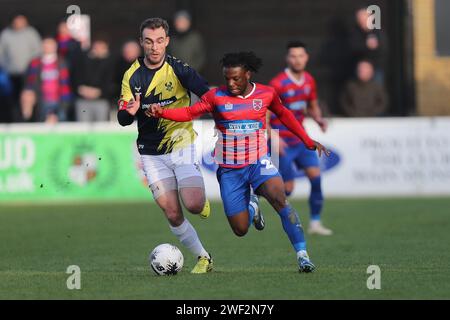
178 165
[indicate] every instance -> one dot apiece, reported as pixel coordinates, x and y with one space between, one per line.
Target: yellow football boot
206 210
203 265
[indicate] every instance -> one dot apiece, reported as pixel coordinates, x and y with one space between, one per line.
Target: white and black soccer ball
166 259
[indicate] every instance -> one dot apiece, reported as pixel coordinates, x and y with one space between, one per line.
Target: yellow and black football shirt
170 86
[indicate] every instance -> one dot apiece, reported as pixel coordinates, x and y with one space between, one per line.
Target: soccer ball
166 259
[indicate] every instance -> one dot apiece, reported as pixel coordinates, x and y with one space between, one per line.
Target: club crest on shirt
169 86
228 106
257 104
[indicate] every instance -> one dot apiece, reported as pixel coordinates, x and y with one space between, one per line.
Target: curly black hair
247 60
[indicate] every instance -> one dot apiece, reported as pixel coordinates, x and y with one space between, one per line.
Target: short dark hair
295 44
247 60
154 23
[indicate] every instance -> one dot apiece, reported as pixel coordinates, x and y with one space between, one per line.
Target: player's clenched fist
133 105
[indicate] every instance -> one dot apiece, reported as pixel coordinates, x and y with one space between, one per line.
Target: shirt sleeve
190 78
288 119
123 117
125 92
313 94
204 105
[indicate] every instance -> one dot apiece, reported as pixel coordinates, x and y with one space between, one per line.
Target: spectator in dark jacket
364 97
93 84
6 99
131 50
368 43
187 44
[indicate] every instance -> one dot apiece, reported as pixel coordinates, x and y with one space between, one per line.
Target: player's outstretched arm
179 115
182 114
289 120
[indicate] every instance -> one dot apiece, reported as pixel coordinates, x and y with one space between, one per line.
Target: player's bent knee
279 201
240 231
239 228
194 204
195 207
192 191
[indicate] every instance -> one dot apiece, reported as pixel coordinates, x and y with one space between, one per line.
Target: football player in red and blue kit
239 110
297 90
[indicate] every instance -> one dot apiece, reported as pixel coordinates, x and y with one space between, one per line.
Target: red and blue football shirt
295 95
241 122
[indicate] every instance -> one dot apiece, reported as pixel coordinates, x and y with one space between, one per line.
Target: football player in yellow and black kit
167 147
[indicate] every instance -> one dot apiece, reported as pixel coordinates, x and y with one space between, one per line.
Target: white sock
187 235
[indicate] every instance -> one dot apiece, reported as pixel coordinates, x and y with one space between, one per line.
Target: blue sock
315 199
251 214
293 228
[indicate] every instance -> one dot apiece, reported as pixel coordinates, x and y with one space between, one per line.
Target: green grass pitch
407 238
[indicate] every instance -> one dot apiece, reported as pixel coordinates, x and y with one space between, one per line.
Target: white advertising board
370 157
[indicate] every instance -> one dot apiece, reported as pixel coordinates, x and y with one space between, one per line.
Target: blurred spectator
131 50
5 97
68 47
187 44
368 44
335 57
93 79
70 50
364 97
19 43
47 86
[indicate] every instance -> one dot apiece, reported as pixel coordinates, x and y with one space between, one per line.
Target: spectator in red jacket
47 85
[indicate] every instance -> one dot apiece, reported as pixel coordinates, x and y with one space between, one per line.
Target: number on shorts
267 163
